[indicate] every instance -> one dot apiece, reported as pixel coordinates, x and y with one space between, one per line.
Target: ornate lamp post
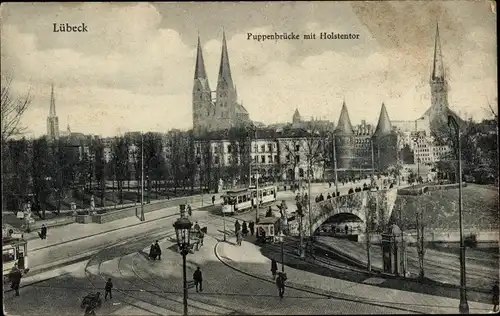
182 231
464 306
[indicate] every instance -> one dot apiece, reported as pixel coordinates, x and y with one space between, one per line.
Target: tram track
152 290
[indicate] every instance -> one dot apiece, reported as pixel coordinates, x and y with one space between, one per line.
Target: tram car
14 252
264 195
236 201
243 199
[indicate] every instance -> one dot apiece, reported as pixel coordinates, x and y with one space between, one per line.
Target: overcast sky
133 69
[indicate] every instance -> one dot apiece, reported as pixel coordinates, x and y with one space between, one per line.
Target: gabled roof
384 126
344 126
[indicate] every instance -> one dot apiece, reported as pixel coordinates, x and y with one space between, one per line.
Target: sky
133 70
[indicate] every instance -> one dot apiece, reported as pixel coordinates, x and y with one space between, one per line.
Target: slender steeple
225 79
344 126
296 116
199 71
384 126
52 111
437 65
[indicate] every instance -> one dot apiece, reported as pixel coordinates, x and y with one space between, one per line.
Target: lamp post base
463 307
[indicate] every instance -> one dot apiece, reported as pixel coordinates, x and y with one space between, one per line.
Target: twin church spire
225 80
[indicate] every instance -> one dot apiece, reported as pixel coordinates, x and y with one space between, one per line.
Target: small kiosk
393 251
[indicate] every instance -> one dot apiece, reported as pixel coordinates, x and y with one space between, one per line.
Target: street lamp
281 238
142 177
464 306
182 231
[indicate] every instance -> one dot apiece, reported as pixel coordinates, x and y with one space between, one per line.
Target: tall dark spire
199 71
224 70
52 112
437 65
344 126
384 126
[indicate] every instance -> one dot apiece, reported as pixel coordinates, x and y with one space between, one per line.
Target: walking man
239 237
43 232
251 225
15 279
237 227
346 229
158 250
274 268
495 293
213 199
198 279
280 283
244 228
107 290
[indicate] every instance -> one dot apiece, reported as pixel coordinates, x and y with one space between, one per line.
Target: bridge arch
376 204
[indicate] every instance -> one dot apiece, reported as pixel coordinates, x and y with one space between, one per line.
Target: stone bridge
375 205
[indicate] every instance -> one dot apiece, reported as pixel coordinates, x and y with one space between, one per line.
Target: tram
244 199
236 201
14 252
265 194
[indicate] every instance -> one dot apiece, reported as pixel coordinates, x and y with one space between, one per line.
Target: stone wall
360 204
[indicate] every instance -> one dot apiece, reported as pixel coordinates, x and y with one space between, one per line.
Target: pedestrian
237 227
190 210
244 229
152 252
196 227
158 250
494 292
43 232
280 283
346 229
107 290
201 235
251 225
239 237
329 184
321 197
198 279
15 279
274 268
213 199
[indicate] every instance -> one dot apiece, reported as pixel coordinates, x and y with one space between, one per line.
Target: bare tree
13 108
420 227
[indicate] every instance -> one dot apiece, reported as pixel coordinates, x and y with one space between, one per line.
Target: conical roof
224 69
199 71
296 115
437 65
384 126
344 126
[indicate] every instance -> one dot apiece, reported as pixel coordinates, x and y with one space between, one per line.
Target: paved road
144 287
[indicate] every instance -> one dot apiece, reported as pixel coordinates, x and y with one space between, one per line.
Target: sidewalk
76 231
249 259
481 267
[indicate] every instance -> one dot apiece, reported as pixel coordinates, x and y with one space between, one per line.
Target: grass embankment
440 209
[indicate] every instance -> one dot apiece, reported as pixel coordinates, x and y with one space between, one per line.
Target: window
216 160
263 159
275 158
263 148
270 159
297 147
270 147
301 172
287 158
297 158
229 148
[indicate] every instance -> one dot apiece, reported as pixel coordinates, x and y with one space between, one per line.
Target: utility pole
142 177
258 197
335 166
